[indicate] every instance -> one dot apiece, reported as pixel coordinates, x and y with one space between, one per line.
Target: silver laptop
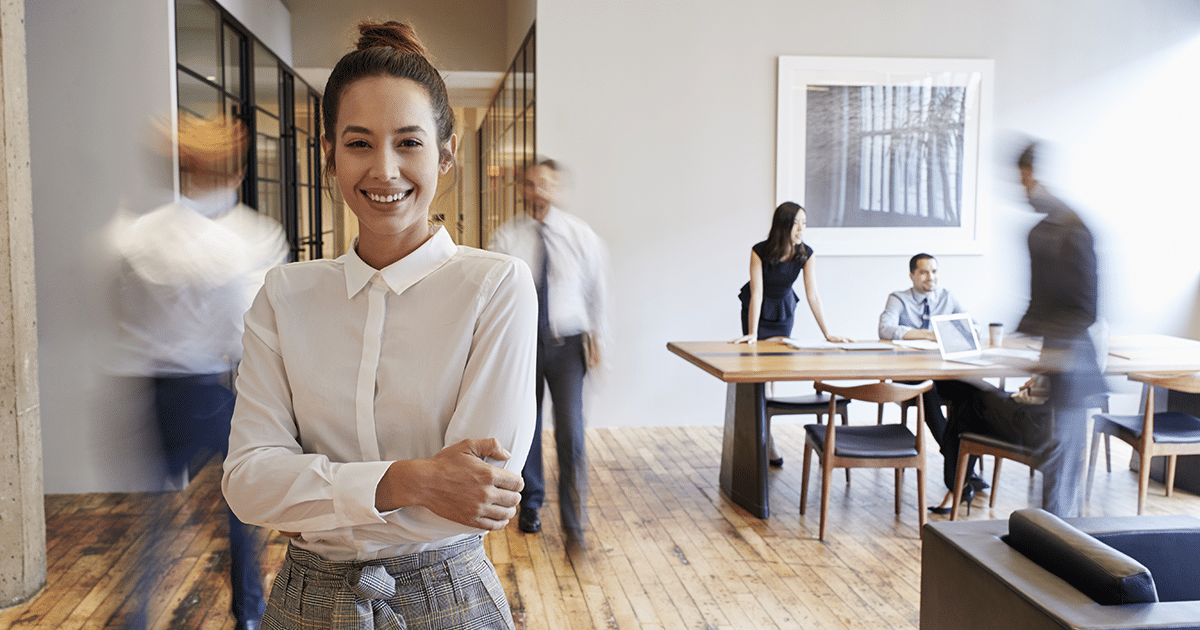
957 339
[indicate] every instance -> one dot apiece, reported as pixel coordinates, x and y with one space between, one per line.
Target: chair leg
996 480
960 478
920 498
1170 478
1095 452
826 473
1107 453
1143 482
879 420
804 477
899 482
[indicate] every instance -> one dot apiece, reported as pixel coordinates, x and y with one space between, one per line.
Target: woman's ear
448 151
327 148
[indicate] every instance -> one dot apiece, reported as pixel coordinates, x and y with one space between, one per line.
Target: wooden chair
978 444
1166 433
1000 450
870 446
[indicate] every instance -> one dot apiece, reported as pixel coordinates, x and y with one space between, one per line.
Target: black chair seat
994 442
1170 427
880 441
809 403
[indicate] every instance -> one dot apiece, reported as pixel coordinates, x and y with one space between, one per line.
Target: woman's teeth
384 198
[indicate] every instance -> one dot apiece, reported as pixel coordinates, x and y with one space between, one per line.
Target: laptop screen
955 334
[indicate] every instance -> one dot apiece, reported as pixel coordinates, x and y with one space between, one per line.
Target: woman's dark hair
779 240
388 49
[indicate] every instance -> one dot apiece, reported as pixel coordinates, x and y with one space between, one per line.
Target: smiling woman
384 451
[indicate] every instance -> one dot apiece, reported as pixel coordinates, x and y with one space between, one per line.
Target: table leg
744 450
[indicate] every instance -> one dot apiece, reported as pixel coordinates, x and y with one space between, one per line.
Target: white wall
666 112
91 96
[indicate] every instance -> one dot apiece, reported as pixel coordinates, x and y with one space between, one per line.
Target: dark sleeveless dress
779 299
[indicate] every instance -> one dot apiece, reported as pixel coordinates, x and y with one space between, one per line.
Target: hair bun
390 34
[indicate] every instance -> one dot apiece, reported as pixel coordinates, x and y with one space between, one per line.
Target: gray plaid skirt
451 587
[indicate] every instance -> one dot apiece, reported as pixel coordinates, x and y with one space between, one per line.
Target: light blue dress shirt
905 311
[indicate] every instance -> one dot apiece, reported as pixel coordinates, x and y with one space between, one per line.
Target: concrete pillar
22 510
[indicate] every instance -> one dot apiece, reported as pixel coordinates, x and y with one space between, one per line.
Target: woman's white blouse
346 369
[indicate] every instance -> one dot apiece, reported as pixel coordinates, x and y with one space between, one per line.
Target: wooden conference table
746 368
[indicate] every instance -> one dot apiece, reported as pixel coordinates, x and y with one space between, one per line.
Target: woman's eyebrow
364 130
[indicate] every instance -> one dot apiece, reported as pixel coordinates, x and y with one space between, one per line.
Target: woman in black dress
768 300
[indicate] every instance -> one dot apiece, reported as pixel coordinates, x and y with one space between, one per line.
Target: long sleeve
889 320
496 397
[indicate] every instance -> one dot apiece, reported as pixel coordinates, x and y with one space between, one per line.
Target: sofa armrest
1105 574
970 578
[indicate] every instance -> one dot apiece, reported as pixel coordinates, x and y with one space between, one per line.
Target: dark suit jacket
1063 296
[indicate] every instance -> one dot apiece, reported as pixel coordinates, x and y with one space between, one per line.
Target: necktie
543 287
925 316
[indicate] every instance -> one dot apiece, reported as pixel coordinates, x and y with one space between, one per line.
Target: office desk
746 368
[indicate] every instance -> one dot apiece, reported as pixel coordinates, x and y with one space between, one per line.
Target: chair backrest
882 392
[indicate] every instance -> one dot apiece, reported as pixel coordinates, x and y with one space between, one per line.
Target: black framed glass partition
223 70
508 141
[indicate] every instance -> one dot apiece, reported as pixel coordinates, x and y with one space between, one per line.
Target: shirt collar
213 204
919 297
403 273
553 220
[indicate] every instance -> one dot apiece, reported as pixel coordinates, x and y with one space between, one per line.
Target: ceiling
467 42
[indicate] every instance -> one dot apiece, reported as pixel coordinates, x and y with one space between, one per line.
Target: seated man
907 316
1022 418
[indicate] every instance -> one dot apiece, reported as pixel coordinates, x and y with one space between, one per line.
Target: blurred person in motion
385 398
1062 307
569 267
189 271
769 299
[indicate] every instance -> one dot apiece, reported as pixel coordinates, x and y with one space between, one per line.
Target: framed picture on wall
885 153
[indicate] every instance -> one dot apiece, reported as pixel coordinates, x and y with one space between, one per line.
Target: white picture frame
843 125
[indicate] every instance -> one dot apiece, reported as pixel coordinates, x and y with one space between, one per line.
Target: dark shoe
967 497
977 482
528 521
776 463
249 624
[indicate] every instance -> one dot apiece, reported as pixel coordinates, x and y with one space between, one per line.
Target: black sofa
1037 571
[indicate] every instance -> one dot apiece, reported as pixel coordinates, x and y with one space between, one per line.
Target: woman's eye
357 143
409 142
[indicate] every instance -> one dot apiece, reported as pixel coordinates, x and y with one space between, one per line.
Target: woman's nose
386 166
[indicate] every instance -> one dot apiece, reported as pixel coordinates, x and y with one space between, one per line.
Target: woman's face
798 227
386 157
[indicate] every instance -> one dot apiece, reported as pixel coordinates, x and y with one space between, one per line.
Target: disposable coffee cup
996 334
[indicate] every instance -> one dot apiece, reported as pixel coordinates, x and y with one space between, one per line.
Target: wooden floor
666 549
